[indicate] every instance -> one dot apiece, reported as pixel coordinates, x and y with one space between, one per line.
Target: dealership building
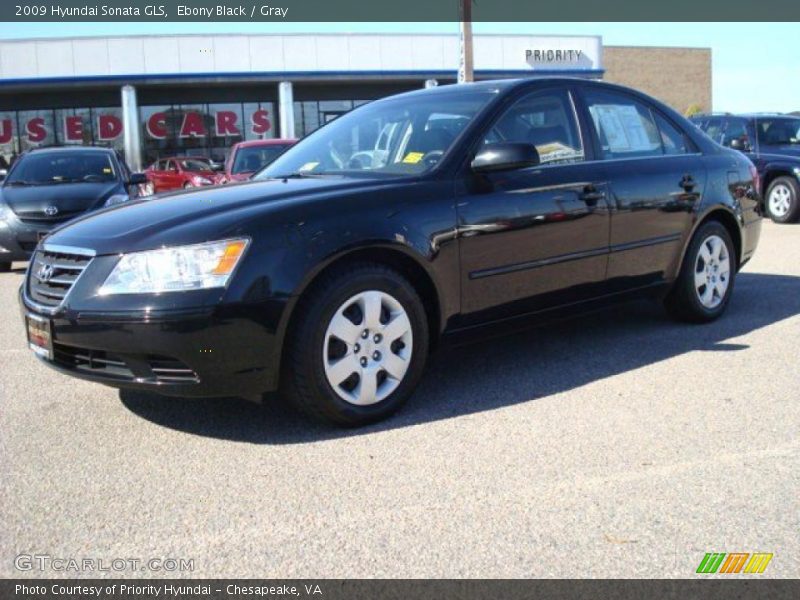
153 96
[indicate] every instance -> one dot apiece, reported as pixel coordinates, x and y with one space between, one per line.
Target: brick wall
679 77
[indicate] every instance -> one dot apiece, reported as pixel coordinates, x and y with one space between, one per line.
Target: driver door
536 237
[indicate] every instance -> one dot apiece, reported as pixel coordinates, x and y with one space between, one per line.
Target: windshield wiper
20 182
299 175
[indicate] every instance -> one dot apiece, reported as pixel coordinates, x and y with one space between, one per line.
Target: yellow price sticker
413 158
309 166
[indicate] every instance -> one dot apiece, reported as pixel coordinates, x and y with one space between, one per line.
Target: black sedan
335 272
47 187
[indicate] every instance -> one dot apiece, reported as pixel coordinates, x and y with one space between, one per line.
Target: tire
5 267
783 200
705 283
187 186
318 384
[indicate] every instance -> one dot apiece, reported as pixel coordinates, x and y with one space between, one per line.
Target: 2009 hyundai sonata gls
332 274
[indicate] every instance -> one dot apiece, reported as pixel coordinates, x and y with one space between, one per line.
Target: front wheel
783 200
704 286
360 346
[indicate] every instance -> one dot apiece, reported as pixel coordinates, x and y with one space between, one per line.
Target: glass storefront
193 129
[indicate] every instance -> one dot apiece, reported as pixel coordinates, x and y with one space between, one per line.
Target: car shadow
501 371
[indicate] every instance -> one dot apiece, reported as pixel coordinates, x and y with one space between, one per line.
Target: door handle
591 195
688 183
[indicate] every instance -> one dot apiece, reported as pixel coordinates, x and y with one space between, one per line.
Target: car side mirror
137 179
505 156
740 144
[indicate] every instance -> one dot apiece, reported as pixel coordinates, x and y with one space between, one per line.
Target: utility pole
465 39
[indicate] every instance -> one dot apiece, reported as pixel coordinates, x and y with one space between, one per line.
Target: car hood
67 198
195 216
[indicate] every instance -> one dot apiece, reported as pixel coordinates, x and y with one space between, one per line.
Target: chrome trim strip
58 249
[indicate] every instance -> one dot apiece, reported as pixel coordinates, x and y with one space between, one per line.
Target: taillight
756 179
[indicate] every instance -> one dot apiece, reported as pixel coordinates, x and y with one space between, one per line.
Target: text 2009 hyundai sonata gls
332 274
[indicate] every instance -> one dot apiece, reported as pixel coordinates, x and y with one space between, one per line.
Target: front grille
170 370
93 361
155 368
52 274
39 216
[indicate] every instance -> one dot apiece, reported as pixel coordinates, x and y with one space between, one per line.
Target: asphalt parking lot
618 445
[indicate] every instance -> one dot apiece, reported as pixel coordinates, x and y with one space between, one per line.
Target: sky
756 66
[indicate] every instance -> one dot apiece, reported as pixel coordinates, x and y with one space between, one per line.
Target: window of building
9 142
36 129
74 126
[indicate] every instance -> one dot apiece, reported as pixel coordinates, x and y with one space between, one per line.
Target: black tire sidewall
310 342
794 209
693 306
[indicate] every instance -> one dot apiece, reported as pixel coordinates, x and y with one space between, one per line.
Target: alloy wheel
712 271
367 348
780 200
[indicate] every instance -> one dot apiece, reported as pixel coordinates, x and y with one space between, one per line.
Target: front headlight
195 267
117 199
201 181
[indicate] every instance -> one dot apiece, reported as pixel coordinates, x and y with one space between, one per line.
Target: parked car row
333 272
184 172
772 143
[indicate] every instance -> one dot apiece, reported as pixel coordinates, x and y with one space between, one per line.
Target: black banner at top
395 10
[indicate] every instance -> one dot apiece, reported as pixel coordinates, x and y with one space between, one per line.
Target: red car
248 157
181 172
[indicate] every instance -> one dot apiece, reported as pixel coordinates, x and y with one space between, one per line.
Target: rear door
656 178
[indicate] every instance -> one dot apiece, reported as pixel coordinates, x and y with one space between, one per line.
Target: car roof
76 149
183 158
267 142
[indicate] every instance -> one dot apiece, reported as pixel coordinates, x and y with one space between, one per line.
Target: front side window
195 165
62 167
624 126
546 120
397 136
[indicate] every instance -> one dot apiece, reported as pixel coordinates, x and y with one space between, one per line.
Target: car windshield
62 167
250 159
406 135
195 165
779 131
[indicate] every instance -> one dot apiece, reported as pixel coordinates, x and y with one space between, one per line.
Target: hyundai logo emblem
45 273
51 211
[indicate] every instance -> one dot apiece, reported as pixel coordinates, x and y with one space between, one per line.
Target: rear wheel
783 200
704 286
360 346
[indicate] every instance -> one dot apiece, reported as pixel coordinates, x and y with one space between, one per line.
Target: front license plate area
40 336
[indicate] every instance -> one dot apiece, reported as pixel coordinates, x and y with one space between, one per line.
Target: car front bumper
205 352
18 239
